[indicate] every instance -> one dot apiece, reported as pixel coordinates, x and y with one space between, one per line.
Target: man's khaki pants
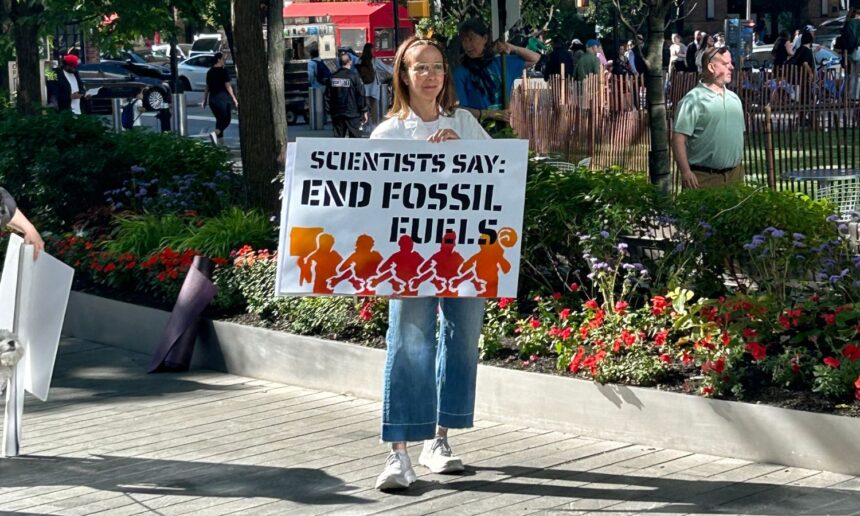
711 180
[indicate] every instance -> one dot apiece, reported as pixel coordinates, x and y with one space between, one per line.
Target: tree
262 124
24 17
654 16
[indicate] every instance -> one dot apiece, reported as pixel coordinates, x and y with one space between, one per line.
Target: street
201 122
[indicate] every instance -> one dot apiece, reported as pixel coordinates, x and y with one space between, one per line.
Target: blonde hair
447 98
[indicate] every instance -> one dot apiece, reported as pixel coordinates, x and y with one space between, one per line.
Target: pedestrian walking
588 64
692 49
429 379
708 138
219 94
345 101
369 69
677 55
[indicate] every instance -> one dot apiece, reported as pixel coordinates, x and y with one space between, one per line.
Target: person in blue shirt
312 68
478 79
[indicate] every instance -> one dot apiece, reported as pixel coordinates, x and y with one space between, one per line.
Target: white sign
402 218
33 299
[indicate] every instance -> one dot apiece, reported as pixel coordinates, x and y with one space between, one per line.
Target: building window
825 7
709 10
353 38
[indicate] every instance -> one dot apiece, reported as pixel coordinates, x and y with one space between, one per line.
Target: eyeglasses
428 68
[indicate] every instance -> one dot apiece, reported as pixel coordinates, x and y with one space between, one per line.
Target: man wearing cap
70 89
588 64
708 138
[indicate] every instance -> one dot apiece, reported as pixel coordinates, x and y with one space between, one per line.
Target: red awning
345 10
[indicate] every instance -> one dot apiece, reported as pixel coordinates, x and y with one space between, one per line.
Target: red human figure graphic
359 267
483 268
441 267
400 268
323 261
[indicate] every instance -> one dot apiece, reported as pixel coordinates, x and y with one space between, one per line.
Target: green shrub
230 230
143 234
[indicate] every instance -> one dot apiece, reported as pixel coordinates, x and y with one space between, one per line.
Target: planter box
644 416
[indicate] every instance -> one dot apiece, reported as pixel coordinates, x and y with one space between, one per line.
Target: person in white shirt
420 403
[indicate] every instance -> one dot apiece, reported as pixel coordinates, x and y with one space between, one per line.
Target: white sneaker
438 457
213 137
398 473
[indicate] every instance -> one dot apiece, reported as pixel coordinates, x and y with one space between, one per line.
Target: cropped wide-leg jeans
430 377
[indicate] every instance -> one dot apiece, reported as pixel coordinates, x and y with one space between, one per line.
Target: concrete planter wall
644 416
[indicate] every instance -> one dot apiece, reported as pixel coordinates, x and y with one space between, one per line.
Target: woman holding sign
429 381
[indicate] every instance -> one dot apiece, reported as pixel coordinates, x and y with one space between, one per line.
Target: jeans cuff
456 420
393 433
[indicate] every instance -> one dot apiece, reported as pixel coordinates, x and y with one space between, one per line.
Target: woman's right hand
443 135
502 115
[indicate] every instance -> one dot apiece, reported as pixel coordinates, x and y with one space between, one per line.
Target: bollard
316 108
180 114
384 101
116 112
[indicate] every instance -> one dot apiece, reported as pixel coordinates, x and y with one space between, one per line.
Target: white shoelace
442 442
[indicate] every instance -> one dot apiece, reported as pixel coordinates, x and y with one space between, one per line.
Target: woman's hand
504 48
443 135
502 115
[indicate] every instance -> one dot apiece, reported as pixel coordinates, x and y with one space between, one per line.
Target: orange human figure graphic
441 267
399 268
303 241
323 261
483 268
359 267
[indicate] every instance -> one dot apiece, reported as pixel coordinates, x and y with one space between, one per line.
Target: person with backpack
345 100
367 69
132 111
319 73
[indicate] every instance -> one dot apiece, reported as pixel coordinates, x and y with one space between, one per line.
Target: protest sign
402 218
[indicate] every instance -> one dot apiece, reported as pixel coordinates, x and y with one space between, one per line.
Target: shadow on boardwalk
114 440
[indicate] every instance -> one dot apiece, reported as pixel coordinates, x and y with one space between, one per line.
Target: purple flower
604 234
799 236
622 248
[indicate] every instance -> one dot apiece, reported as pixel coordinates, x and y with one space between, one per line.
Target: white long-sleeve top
413 128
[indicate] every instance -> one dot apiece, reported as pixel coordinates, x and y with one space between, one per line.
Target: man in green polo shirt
708 138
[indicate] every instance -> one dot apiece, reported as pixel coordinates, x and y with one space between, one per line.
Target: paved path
116 441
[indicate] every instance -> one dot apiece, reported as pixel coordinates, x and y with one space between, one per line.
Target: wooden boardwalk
113 440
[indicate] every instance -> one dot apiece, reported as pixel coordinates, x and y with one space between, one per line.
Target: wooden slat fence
793 121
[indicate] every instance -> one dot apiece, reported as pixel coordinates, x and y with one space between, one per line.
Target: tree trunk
259 142
658 155
276 77
25 21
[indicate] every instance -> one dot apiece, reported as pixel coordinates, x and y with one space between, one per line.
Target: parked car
117 79
209 44
824 58
192 72
137 64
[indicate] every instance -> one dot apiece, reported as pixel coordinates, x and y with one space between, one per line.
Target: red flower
750 333
504 302
534 358
665 358
536 298
814 298
620 307
219 261
109 267
556 295
576 360
829 319
726 339
784 321
591 304
707 391
583 332
366 312
756 350
628 338
718 367
857 383
658 305
564 314
574 287
565 333
832 362
851 352
535 323
616 346
660 338
687 358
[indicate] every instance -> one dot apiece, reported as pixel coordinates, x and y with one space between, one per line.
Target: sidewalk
115 440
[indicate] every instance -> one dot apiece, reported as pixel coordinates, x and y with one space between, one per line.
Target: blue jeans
429 382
